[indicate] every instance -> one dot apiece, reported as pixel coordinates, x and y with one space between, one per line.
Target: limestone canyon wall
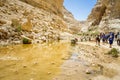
53 6
73 25
37 20
105 15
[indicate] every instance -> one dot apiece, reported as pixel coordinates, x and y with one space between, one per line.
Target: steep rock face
19 19
38 20
73 25
53 6
105 14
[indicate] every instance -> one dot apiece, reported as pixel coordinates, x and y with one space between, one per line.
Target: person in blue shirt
112 34
111 39
106 37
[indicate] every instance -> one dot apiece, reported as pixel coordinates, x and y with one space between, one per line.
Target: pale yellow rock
27 26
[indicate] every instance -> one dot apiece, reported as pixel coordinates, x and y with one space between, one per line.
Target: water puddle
74 57
32 62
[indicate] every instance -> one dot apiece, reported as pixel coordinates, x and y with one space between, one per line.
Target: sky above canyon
80 8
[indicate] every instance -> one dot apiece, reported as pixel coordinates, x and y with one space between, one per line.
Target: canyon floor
90 62
58 61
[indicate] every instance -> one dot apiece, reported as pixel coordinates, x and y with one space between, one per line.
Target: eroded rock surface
106 15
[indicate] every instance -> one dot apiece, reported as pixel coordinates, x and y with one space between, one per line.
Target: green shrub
74 42
114 52
95 33
79 34
90 30
26 41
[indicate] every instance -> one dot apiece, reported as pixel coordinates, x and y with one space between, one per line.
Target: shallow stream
33 62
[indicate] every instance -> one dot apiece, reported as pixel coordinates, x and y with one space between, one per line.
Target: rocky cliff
37 20
73 25
53 6
105 15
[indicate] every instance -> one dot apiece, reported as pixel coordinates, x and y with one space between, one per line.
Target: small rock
93 64
77 65
2 22
76 70
31 79
16 71
49 73
2 3
16 42
24 66
64 58
88 71
52 63
35 63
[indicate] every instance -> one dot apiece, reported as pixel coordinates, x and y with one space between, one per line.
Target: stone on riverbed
26 40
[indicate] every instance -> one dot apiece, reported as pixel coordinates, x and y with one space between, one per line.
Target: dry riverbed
90 62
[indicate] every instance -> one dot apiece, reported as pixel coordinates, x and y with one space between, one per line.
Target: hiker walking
112 34
118 39
107 35
111 39
116 36
103 38
101 35
98 40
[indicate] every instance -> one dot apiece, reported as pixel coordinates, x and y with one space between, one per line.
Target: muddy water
33 62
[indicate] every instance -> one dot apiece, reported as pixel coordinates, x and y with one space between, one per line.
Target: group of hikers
109 37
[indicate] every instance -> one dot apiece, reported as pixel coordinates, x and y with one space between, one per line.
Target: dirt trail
90 62
104 46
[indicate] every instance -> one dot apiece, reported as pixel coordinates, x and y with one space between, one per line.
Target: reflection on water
32 62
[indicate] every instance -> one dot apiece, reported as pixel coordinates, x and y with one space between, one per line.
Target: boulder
26 40
2 22
27 26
